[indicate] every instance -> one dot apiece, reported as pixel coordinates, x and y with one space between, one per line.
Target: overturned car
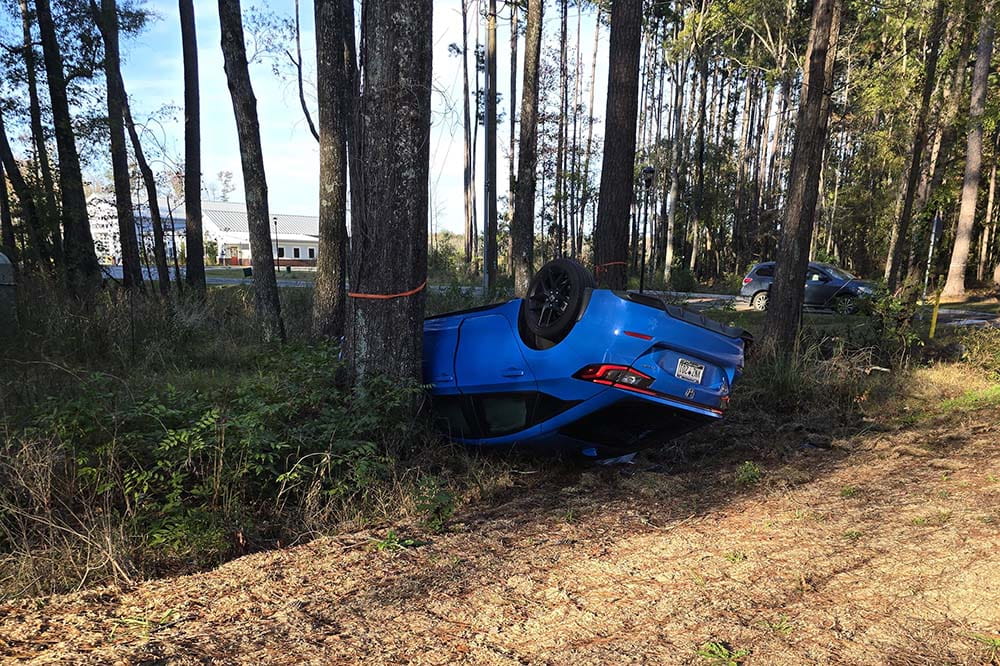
580 369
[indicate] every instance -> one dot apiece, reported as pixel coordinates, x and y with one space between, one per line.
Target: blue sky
153 76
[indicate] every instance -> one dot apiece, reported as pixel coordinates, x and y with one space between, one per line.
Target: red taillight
630 379
621 376
747 280
641 336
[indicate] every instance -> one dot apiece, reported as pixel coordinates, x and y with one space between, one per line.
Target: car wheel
555 295
759 301
846 305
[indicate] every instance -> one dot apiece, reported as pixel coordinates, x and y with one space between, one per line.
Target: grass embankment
144 438
837 516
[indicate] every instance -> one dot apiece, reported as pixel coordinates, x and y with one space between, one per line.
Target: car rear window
765 271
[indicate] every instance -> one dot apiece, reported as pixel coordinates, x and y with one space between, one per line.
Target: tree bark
35 251
265 283
82 269
51 221
954 287
988 224
699 159
585 197
615 198
193 234
512 146
784 310
353 127
523 224
389 236
107 19
677 145
331 87
470 201
8 243
901 229
490 223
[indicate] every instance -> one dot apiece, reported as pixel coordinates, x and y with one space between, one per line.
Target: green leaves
187 467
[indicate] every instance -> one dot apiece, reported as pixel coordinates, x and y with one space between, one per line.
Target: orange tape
385 297
610 263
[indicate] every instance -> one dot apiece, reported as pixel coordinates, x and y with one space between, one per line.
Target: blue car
578 369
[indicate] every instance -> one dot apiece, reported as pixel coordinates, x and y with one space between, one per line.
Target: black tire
555 296
846 305
759 301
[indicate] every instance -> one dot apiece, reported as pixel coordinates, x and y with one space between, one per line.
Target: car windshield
839 272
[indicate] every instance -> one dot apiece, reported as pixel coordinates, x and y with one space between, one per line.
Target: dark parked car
592 371
827 286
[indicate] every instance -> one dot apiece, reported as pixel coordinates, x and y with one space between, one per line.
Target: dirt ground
880 547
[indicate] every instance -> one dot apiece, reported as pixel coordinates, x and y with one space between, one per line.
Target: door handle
513 372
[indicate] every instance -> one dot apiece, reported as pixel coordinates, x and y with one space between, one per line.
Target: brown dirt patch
882 549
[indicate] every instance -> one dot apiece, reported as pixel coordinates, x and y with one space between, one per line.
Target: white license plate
689 371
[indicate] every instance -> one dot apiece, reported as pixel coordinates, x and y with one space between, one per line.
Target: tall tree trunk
511 167
490 223
900 232
195 242
784 310
988 225
522 230
149 182
35 252
389 236
107 19
954 287
353 129
615 198
699 159
677 145
945 136
82 269
560 194
8 243
331 86
470 203
51 221
585 175
265 283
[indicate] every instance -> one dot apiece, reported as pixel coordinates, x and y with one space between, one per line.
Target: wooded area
732 131
395 416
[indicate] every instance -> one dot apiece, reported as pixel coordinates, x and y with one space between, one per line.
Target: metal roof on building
231 217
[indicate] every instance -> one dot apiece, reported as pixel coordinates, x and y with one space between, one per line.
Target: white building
294 238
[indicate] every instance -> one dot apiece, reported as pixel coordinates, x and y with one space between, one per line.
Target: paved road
693 300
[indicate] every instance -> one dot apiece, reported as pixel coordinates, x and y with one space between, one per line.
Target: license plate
689 371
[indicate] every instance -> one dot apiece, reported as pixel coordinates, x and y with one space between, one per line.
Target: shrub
982 349
681 279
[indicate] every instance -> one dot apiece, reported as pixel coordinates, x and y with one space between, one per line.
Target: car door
490 370
819 286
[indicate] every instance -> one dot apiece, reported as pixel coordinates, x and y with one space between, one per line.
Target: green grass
748 474
972 400
718 653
